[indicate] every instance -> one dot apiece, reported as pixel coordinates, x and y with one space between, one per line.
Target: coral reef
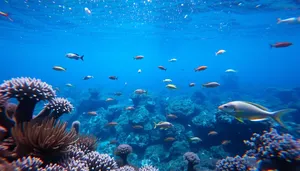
123 150
192 160
97 161
236 163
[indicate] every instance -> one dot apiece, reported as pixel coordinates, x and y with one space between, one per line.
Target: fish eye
225 106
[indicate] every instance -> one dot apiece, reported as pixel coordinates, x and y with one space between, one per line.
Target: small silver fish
74 56
88 77
59 68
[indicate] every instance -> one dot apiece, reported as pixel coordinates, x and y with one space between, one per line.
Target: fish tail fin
278 114
82 57
155 125
278 20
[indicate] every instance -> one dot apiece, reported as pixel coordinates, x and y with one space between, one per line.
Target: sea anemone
5 166
87 143
192 160
126 168
10 110
47 140
28 92
103 162
3 99
123 150
27 163
148 168
76 126
6 124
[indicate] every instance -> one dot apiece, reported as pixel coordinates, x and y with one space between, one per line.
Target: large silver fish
74 56
252 111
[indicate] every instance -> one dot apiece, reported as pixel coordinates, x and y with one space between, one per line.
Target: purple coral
126 168
52 167
28 92
192 160
148 168
3 99
27 163
55 108
75 165
123 150
282 151
103 162
236 163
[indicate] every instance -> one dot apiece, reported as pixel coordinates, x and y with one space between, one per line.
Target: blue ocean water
42 32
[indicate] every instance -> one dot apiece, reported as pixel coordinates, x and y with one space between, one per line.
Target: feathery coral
28 92
48 140
103 162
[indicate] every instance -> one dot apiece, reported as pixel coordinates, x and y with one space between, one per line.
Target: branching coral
126 168
55 108
103 162
282 151
47 140
86 143
123 150
27 163
75 165
28 92
233 163
192 160
148 168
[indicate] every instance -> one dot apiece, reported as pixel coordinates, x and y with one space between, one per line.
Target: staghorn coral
97 162
126 168
86 143
47 140
192 160
53 167
27 164
28 92
76 126
236 163
280 151
55 108
123 150
148 168
73 164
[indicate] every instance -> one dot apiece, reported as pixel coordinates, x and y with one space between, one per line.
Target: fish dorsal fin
257 105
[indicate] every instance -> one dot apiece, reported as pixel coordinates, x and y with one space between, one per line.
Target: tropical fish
212 133
169 139
140 91
225 142
167 80
118 93
172 116
138 57
162 68
74 56
69 85
137 127
192 84
111 124
109 99
253 111
171 86
59 68
220 52
211 85
200 68
291 20
281 44
92 113
172 60
129 108
163 125
113 77
87 11
230 71
195 139
88 77
139 71
5 15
